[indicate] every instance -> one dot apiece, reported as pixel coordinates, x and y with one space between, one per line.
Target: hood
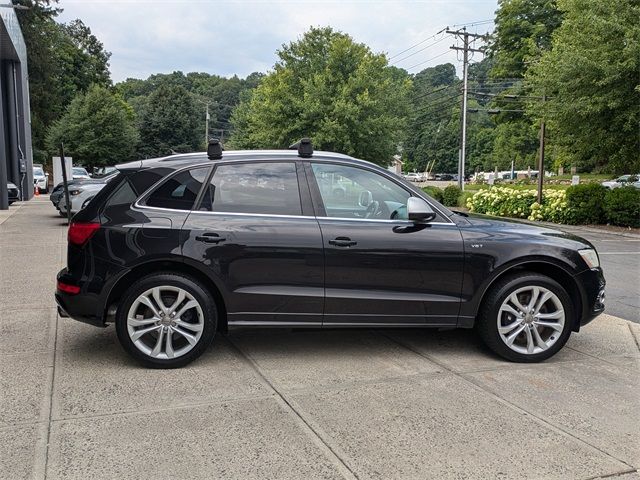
11 185
522 229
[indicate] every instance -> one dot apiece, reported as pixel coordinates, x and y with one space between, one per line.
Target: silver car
79 197
622 181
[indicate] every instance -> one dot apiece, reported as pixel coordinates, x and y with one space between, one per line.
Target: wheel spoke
190 338
508 328
530 344
168 348
145 300
556 326
543 299
539 341
513 298
509 309
194 327
534 298
158 298
181 296
513 336
187 306
143 331
158 347
141 322
550 316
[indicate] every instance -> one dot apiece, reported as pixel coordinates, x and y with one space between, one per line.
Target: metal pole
541 158
206 128
465 75
65 183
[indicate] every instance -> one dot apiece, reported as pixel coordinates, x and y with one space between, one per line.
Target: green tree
97 129
327 87
168 122
592 78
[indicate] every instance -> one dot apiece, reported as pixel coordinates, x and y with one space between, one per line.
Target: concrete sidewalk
298 404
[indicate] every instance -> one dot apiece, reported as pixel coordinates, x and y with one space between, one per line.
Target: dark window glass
123 195
180 191
267 188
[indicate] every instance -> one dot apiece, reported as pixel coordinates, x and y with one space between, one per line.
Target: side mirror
419 211
365 198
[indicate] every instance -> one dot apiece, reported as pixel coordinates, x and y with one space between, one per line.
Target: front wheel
166 320
526 317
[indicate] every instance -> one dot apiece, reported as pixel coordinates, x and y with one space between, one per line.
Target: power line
417 44
421 50
473 24
426 61
438 90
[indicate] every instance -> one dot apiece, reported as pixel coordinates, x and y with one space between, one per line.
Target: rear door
379 267
256 233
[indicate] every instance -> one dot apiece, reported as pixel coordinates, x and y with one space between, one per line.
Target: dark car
13 192
175 249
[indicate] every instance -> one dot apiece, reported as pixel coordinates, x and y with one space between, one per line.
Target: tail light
66 288
81 232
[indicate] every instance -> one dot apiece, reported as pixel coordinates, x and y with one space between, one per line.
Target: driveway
367 404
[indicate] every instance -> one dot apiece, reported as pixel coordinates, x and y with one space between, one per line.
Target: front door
255 230
379 267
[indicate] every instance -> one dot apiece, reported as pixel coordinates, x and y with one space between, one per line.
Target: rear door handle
342 242
210 238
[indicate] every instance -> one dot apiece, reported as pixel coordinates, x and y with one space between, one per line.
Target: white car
40 179
624 180
414 177
79 196
80 173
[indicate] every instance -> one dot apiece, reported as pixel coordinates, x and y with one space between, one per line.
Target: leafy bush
451 195
585 203
509 202
622 207
434 192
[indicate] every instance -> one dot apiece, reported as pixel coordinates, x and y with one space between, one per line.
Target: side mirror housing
419 211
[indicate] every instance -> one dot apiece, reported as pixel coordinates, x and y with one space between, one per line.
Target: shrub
451 195
509 202
585 203
434 192
622 207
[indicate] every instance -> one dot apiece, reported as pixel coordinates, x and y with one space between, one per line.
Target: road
620 259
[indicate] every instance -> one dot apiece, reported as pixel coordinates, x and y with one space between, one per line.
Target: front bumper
594 287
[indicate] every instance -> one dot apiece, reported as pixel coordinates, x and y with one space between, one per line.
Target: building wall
15 116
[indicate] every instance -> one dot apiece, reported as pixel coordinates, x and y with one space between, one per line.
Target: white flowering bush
510 202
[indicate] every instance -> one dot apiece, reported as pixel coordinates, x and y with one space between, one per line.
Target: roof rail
304 147
214 149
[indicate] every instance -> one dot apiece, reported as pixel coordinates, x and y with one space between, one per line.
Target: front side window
350 192
262 187
180 191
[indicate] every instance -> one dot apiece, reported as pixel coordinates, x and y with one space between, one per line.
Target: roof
185 159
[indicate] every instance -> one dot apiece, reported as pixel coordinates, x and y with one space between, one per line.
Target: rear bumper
83 307
593 285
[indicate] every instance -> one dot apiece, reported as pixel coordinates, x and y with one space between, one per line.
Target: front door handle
210 238
342 242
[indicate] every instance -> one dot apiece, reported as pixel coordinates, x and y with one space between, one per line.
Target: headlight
590 257
75 192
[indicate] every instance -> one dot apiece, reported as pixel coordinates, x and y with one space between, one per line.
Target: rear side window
180 191
261 187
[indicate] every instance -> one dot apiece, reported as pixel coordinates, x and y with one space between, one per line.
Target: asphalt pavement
620 260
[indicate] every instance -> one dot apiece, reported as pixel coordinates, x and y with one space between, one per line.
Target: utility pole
466 48
541 157
206 127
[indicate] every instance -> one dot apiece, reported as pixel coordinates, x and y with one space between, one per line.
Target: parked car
79 196
13 192
176 249
444 176
58 191
100 172
40 179
621 181
80 173
413 177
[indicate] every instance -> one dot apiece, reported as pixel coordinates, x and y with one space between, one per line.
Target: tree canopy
330 88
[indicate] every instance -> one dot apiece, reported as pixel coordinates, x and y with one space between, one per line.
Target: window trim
318 202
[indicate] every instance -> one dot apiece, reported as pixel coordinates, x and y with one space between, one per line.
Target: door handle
210 238
342 242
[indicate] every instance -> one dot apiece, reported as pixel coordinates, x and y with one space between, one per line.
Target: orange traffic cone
36 190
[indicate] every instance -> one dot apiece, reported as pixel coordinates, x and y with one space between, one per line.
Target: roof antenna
214 149
304 147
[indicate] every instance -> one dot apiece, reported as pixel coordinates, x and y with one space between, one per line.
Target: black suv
175 249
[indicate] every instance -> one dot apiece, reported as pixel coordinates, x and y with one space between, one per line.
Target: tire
199 322
556 315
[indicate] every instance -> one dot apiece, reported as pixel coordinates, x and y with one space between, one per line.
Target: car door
379 267
256 234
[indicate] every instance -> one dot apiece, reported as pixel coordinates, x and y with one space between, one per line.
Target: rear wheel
526 318
166 320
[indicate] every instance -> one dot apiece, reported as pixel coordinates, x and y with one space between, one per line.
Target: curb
7 214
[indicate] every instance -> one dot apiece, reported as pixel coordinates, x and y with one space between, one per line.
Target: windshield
38 172
79 171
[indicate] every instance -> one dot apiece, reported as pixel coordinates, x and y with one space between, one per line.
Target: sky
242 36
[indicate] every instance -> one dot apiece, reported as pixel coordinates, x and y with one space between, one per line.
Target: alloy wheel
531 319
165 322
